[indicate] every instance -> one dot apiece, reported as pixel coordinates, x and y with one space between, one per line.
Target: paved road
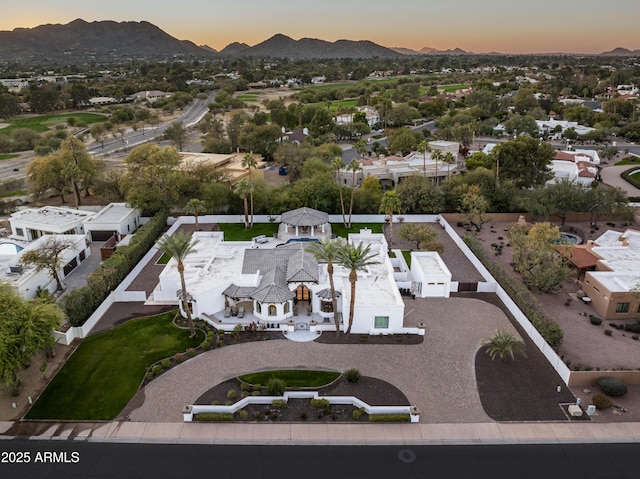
611 176
103 460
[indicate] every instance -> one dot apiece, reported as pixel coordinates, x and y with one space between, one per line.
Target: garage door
101 235
434 290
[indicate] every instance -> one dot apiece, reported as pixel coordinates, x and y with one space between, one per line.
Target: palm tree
388 205
354 166
243 189
195 206
503 345
355 258
424 148
327 250
178 247
337 165
449 159
437 156
249 162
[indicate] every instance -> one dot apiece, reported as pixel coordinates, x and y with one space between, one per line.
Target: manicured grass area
335 104
326 86
295 378
237 231
339 229
106 370
407 257
13 193
248 97
164 259
635 176
450 88
7 156
632 160
41 123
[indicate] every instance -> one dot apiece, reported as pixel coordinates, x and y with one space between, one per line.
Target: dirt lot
584 345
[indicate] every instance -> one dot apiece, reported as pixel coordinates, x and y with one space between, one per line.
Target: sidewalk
365 434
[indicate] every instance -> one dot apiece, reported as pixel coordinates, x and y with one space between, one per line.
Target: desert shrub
303 416
148 376
156 370
232 394
601 402
255 393
244 394
612 387
218 343
357 414
245 387
595 320
256 387
352 375
633 327
276 387
320 403
165 363
179 358
608 332
214 417
228 403
279 404
389 417
191 352
215 402
243 415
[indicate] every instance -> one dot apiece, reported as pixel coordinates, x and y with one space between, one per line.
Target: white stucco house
430 272
577 166
278 285
114 219
24 278
32 223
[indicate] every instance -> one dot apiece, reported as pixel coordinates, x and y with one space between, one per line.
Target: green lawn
248 97
632 160
326 86
407 257
452 88
339 229
635 176
14 193
335 104
7 156
106 370
295 378
164 259
41 123
237 231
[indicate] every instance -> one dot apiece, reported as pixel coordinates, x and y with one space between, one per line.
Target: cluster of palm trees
437 156
352 257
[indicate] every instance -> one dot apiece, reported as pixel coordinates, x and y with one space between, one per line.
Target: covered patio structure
304 223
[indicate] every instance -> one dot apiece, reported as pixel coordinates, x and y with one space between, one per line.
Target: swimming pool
9 248
571 238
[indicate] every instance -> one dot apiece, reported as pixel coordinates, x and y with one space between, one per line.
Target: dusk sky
572 26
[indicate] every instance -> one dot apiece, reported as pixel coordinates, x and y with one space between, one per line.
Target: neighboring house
102 100
319 79
31 223
151 95
551 127
114 219
233 282
612 287
372 115
298 136
25 279
390 170
578 166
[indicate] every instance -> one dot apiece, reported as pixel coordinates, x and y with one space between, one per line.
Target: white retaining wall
190 410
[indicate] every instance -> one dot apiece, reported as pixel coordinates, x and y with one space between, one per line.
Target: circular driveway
437 375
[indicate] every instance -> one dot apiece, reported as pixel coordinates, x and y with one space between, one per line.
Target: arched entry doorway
302 293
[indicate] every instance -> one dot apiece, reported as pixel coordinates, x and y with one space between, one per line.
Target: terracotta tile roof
579 256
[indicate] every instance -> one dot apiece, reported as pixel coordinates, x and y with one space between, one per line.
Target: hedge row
389 417
626 175
82 302
213 417
548 328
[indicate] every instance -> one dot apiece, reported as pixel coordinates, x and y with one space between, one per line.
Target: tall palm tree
327 250
424 148
249 162
243 189
437 156
503 345
195 206
178 246
389 204
337 165
355 258
354 166
449 159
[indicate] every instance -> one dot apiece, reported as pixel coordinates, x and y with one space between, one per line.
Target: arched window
286 307
272 310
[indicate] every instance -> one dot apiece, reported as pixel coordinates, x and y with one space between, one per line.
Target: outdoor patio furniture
227 312
241 312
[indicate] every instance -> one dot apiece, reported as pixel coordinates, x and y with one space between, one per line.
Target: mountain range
104 40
